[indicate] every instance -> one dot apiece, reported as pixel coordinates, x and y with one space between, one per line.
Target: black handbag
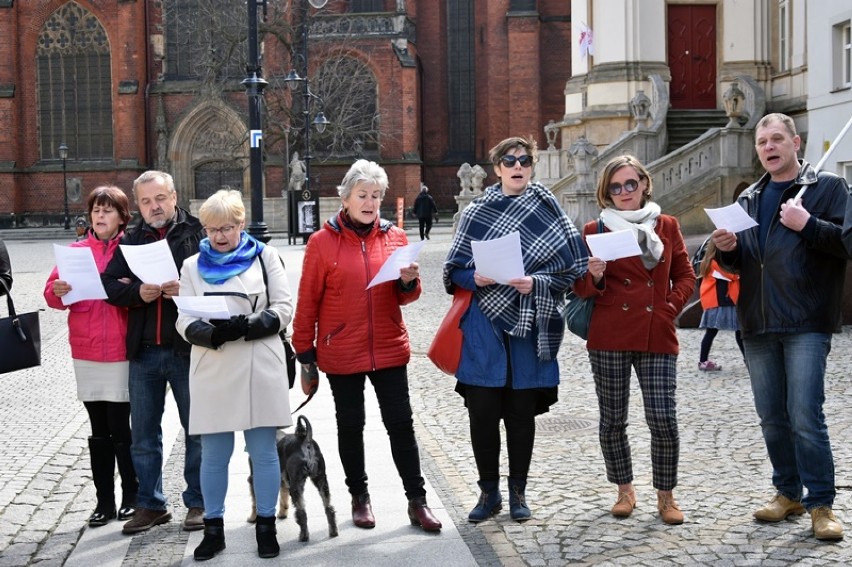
20 338
289 353
578 312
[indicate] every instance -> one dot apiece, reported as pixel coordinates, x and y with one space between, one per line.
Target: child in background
719 291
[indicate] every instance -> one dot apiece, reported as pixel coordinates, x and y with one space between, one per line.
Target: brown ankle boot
668 508
362 511
625 504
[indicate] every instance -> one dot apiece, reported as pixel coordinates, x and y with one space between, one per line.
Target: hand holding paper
732 218
76 267
401 258
613 245
499 259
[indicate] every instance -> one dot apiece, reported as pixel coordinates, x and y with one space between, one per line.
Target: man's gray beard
162 223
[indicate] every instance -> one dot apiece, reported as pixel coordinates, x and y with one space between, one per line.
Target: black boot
103 474
129 483
213 542
490 501
267 543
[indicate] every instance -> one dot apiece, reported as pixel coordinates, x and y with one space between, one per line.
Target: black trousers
391 386
517 408
425 226
110 420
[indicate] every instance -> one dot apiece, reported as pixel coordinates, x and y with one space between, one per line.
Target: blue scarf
218 267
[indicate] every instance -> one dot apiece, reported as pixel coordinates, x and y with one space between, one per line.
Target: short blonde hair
222 206
363 171
616 163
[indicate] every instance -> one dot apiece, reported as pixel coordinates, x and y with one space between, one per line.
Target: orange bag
445 350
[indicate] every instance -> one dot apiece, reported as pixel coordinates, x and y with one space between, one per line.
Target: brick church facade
420 86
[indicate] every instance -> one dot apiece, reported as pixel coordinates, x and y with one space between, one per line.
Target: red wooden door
692 55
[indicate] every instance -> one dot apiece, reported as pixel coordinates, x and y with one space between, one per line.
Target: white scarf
642 223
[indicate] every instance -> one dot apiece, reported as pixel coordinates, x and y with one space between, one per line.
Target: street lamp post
254 84
63 154
320 121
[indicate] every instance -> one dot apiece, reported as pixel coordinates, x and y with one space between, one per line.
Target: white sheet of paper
203 306
732 218
77 267
613 245
400 258
499 259
720 276
152 263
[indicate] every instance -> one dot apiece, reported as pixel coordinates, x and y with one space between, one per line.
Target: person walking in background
97 333
353 333
512 332
5 268
158 355
425 209
718 291
792 268
636 302
238 381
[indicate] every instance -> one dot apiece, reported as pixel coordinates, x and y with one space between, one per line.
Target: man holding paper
792 269
158 355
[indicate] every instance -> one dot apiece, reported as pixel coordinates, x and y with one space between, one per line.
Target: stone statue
297 173
477 180
465 175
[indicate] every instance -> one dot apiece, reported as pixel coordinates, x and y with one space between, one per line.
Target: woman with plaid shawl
512 332
636 302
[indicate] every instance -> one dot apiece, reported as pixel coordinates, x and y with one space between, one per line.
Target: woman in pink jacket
97 331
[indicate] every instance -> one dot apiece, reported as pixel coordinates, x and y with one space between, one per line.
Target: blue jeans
787 377
265 470
150 371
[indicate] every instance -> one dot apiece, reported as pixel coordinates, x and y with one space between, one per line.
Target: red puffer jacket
96 329
341 324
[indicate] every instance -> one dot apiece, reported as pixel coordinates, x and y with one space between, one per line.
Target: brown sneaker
194 520
826 526
778 509
145 519
668 508
624 505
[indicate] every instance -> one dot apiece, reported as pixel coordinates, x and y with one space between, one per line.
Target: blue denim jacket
483 359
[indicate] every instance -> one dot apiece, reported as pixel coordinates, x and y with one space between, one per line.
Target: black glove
228 330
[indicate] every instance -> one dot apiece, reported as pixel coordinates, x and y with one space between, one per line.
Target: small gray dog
301 459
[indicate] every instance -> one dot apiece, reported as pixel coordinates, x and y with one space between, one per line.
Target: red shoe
362 512
420 515
709 366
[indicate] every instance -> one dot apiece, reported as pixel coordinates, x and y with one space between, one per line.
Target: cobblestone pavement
46 493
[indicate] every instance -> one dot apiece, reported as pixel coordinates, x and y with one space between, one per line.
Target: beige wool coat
242 384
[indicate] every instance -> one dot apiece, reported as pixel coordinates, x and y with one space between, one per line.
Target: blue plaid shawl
554 255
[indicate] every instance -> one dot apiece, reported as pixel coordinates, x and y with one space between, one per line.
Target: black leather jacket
796 284
151 323
5 268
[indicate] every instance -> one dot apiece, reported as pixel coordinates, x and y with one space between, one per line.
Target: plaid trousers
657 376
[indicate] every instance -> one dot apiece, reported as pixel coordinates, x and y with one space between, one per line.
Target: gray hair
363 171
153 175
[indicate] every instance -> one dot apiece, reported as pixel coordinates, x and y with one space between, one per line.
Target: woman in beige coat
237 373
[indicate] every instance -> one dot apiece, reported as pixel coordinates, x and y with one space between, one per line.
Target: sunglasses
509 161
630 186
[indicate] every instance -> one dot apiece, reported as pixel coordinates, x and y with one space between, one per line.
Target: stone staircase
684 126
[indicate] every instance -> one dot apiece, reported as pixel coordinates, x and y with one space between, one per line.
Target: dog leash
310 383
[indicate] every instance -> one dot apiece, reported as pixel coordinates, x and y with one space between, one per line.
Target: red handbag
445 350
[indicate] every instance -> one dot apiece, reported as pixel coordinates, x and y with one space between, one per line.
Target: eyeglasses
630 186
225 230
509 161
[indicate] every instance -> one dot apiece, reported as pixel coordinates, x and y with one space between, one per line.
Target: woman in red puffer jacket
352 333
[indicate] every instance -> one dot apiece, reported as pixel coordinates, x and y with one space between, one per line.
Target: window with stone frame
842 55
783 36
357 6
74 85
215 175
348 95
461 70
205 39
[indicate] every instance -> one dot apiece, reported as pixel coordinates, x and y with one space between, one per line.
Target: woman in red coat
353 333
636 302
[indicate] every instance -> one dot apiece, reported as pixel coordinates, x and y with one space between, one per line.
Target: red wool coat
354 329
636 309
